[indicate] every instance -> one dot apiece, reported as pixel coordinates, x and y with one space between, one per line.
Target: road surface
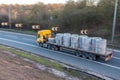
28 43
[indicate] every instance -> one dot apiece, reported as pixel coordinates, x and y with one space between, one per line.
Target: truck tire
41 44
49 46
77 53
56 48
92 57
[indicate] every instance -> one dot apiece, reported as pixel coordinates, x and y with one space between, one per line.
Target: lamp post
114 20
9 15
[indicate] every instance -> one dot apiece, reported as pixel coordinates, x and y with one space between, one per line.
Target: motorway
28 43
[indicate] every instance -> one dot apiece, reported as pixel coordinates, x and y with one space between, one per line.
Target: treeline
94 15
29 15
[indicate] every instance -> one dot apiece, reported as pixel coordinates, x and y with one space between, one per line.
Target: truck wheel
56 48
53 48
87 56
80 54
49 46
84 56
41 44
77 54
60 49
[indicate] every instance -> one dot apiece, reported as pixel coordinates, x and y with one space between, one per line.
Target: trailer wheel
78 54
87 56
60 48
55 48
83 56
92 57
52 48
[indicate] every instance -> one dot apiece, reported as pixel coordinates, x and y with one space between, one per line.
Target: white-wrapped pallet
80 41
66 39
74 40
99 45
86 43
94 43
59 39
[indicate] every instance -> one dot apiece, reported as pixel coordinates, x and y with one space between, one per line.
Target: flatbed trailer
79 52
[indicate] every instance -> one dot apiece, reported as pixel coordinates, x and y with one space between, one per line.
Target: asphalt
28 43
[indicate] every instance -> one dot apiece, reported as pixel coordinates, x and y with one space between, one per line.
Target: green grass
35 58
116 42
49 63
84 76
117 38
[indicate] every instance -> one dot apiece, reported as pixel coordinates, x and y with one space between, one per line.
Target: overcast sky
30 1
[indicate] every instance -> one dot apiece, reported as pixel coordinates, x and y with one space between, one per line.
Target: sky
30 1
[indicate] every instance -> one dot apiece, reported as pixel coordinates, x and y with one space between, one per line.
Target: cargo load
59 39
80 41
86 43
94 44
67 39
99 45
74 41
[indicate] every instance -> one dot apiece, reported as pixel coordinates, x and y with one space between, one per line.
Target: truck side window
44 37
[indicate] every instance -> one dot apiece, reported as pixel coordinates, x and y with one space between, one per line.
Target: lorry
42 39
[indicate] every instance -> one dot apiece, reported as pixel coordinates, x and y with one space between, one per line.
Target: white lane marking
20 38
19 42
61 52
17 33
11 36
29 39
117 51
116 58
114 50
108 65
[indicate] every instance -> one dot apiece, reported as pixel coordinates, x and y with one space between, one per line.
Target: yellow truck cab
43 35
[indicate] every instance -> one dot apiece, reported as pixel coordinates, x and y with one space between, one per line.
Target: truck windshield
38 36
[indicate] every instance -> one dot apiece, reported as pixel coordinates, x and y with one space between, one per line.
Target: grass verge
31 32
49 63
